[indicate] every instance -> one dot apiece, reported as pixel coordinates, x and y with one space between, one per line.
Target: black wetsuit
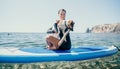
66 45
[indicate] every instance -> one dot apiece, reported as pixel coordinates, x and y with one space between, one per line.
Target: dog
64 24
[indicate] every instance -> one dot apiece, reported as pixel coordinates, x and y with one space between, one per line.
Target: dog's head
63 24
70 24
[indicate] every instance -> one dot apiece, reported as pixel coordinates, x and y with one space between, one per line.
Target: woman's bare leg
48 43
52 42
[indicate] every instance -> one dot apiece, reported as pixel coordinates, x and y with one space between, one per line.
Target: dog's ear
72 25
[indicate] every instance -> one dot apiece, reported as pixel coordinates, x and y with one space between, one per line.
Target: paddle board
40 54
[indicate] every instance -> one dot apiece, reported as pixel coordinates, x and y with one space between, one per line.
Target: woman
54 37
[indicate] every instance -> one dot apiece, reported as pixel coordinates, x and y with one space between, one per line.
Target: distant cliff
105 28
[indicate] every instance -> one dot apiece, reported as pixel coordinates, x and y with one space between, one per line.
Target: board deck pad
44 50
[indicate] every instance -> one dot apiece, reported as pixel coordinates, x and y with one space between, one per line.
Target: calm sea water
78 39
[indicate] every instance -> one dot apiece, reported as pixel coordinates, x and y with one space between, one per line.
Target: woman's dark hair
61 10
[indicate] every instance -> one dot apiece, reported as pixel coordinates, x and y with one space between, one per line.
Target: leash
64 36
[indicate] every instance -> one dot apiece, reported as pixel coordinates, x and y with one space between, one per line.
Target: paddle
116 47
64 36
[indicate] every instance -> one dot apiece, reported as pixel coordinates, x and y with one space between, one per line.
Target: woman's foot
51 47
48 47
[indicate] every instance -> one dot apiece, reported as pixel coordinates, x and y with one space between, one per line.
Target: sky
39 15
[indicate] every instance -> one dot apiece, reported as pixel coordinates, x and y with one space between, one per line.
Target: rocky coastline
105 28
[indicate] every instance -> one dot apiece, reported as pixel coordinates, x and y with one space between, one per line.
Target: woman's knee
48 37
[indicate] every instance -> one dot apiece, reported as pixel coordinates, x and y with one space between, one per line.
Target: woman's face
62 15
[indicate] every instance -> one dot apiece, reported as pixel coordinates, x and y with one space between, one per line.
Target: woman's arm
50 31
63 38
53 29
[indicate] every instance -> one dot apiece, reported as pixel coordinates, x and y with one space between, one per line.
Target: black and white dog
63 24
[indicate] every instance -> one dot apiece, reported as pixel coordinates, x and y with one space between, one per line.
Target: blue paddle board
40 54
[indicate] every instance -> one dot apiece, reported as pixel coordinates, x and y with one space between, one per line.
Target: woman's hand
57 21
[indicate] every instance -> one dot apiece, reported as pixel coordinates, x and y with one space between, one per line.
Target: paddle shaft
116 47
63 38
